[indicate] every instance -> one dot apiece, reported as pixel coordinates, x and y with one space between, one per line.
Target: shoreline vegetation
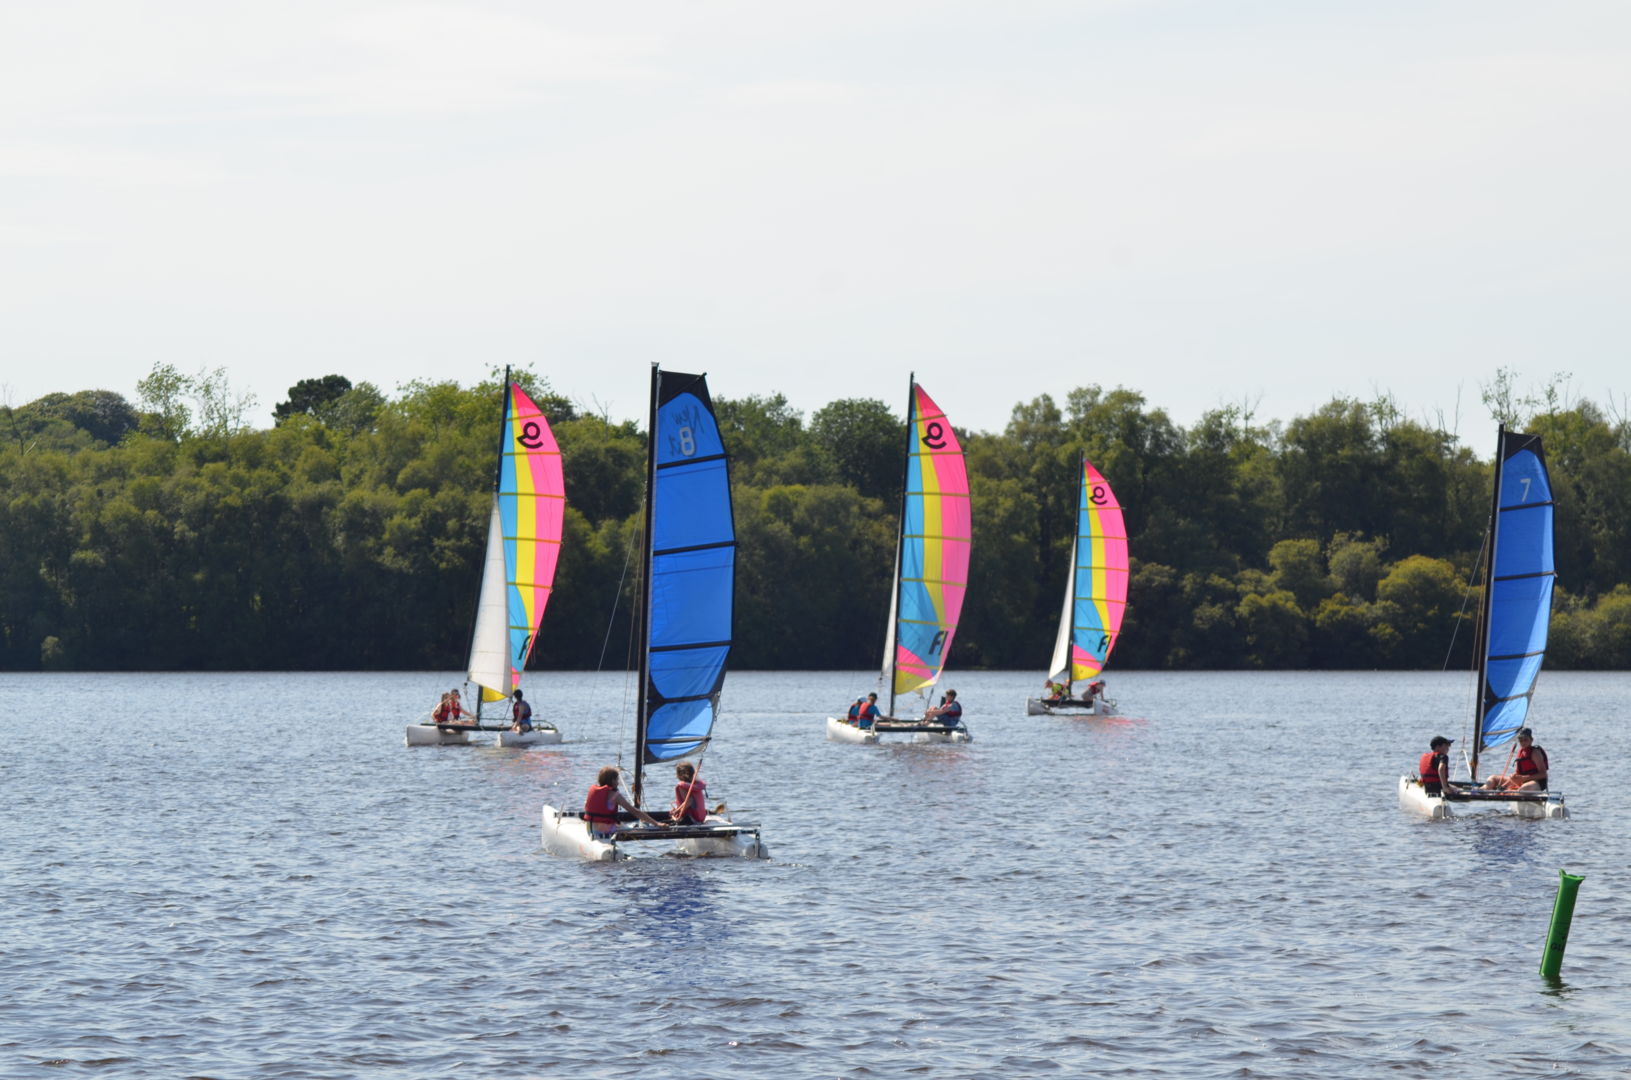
170 535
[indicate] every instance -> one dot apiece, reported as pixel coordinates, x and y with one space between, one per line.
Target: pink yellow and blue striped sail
523 547
934 551
1097 596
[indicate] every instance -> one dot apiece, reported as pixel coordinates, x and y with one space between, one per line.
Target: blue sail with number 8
690 572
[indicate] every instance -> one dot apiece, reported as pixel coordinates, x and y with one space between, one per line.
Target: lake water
249 875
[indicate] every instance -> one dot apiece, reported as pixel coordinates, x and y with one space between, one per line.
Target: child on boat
690 793
601 805
520 715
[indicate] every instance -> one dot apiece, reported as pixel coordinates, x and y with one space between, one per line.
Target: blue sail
692 566
1518 603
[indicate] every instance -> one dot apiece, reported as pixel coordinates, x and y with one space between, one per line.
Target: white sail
489 647
1059 666
889 636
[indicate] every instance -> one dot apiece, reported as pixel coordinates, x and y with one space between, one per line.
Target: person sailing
1530 769
1434 767
601 805
449 710
1053 692
867 713
855 711
520 714
455 709
948 712
690 796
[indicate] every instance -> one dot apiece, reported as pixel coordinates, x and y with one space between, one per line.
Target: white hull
844 731
1100 707
1413 798
942 737
538 736
569 836
431 735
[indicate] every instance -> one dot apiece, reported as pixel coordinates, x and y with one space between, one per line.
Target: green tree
310 397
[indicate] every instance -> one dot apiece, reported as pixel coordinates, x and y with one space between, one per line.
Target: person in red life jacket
1095 689
855 711
601 805
439 715
1529 770
1434 767
948 712
455 710
867 714
690 795
520 714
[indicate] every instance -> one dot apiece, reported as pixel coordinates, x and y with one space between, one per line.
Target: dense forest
170 534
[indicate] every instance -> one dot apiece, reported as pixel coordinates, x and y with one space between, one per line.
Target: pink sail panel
532 507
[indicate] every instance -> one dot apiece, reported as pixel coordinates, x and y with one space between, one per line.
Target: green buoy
1551 961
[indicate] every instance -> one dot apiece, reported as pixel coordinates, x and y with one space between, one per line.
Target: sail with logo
930 581
518 574
1095 600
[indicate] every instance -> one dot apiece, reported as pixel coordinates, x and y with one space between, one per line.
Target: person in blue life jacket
520 714
867 711
948 712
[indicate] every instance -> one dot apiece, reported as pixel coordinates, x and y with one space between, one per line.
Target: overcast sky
1208 202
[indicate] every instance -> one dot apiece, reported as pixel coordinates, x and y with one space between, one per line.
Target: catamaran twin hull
1070 707
845 731
566 833
428 734
1413 798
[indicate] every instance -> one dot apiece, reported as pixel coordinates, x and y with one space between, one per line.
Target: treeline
169 534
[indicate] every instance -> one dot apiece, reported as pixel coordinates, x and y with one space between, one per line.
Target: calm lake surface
249 875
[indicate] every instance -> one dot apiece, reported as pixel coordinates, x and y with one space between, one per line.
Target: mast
1485 608
498 482
900 535
1070 581
643 622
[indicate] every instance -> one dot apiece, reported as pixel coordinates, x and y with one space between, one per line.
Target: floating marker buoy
1551 961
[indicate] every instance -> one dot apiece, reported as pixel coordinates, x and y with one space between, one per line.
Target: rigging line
1465 594
628 557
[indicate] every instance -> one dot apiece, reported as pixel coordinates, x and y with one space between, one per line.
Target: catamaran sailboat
931 576
523 545
685 623
1513 618
1095 599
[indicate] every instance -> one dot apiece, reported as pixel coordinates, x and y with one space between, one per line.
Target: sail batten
523 547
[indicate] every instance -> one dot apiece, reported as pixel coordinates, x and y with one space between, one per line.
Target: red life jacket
600 807
1428 768
688 800
1526 760
440 713
869 711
